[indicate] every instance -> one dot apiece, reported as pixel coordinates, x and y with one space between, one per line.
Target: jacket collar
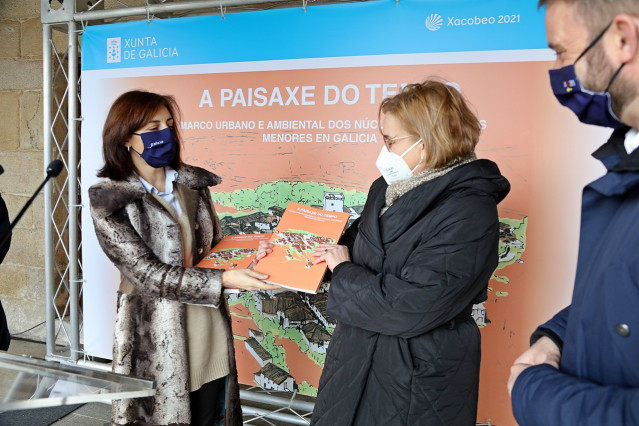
613 153
622 167
479 175
107 196
196 177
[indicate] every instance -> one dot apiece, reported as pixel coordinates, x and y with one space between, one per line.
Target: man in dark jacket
582 367
5 337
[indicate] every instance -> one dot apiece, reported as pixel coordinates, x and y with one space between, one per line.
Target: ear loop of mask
129 149
592 43
408 150
420 157
614 76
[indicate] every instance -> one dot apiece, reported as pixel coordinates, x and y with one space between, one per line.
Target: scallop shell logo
434 22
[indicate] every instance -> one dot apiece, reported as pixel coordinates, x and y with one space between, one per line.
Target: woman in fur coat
154 219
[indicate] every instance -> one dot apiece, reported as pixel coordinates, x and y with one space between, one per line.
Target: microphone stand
53 170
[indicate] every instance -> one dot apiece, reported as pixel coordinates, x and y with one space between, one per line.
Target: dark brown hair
438 114
131 111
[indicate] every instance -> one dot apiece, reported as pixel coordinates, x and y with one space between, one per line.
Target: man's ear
625 30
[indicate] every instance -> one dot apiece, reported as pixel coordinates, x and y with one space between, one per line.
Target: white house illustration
479 314
334 201
316 337
273 377
260 354
317 304
289 310
256 334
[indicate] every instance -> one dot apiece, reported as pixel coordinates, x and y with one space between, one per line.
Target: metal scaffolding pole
151 9
265 398
73 162
49 257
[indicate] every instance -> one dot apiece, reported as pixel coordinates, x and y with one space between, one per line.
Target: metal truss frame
62 199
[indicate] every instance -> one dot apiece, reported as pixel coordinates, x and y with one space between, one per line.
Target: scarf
397 189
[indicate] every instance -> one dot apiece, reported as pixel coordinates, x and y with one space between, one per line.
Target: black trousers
208 403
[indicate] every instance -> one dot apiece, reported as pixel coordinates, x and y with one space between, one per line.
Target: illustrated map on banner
283 121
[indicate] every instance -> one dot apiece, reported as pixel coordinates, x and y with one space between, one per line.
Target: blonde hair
438 114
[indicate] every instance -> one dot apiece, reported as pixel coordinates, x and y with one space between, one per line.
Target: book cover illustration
233 252
297 234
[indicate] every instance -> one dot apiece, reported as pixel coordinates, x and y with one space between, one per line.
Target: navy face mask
159 147
590 107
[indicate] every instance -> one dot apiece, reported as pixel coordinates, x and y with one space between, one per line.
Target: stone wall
22 287
21 155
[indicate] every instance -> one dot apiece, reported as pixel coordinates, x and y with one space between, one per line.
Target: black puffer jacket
406 350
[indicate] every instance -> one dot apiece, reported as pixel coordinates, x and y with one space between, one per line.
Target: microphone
53 169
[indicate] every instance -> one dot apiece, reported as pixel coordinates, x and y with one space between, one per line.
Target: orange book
233 252
299 231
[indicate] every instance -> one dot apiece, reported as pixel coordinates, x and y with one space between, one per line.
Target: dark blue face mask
159 147
590 107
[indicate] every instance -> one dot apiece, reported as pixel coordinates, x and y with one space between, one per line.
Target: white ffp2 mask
392 166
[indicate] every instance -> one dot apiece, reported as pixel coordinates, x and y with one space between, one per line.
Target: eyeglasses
390 141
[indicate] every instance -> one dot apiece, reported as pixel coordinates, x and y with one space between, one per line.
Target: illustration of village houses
301 311
253 223
259 222
302 318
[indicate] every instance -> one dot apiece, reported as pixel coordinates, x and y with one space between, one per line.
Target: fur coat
143 240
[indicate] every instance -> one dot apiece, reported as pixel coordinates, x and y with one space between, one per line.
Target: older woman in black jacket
405 276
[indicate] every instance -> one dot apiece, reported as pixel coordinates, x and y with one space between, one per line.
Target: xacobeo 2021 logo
434 22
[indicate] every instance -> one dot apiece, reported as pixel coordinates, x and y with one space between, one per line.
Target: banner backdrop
282 105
